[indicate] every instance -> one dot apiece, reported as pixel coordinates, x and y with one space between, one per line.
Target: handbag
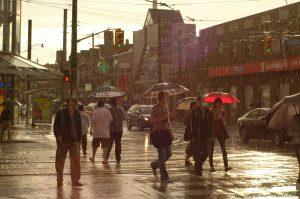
188 132
160 138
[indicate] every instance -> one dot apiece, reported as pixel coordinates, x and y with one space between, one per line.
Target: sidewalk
27 171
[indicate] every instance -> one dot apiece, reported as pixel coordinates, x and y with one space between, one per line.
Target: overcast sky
97 15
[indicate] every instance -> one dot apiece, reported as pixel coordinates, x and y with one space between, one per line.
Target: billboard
41 110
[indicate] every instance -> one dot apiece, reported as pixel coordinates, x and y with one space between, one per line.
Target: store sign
259 67
6 85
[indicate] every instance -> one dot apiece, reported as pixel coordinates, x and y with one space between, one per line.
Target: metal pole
159 52
73 84
64 60
29 39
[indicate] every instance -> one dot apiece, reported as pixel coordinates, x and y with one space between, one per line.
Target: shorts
105 142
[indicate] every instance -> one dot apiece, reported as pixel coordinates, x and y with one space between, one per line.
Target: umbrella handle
295 108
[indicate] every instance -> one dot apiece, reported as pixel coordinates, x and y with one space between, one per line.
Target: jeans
297 148
84 143
6 125
61 154
164 153
115 137
223 149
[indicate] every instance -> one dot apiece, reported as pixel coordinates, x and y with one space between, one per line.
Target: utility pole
64 60
29 39
159 52
73 84
28 77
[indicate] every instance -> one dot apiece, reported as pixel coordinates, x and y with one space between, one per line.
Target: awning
16 65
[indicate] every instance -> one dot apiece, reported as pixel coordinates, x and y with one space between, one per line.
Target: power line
112 11
43 4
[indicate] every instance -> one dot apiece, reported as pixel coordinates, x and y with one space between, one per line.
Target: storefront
259 84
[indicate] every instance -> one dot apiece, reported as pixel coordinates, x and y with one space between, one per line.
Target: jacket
62 126
201 125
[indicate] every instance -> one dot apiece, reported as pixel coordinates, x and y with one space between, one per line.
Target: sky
129 15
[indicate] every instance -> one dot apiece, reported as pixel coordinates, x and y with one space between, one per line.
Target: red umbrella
227 98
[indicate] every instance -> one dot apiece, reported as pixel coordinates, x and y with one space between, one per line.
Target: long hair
218 100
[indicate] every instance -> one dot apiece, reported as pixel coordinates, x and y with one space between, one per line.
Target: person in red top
219 132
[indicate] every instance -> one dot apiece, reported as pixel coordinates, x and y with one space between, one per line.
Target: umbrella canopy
108 91
168 87
282 113
184 104
227 98
283 116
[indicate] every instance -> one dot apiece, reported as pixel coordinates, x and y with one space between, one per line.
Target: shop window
248 97
284 90
265 95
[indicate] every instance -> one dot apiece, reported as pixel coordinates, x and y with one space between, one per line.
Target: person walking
186 122
67 130
201 131
5 123
85 123
101 121
116 133
161 136
219 132
294 130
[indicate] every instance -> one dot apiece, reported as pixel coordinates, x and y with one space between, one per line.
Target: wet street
259 170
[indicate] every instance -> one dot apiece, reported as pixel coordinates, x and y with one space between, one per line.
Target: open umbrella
184 104
227 98
282 113
169 87
108 91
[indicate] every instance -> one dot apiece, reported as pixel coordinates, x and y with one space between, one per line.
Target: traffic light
268 45
119 39
66 77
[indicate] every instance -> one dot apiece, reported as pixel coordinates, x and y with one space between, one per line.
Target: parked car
253 125
139 115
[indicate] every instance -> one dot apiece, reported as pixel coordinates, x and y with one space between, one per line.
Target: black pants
200 154
115 137
188 150
223 149
84 143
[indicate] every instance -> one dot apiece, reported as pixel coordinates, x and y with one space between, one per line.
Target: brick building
233 56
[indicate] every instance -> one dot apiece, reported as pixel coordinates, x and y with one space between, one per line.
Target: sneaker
77 184
212 169
198 173
168 180
118 162
153 170
84 153
188 163
228 169
105 162
92 159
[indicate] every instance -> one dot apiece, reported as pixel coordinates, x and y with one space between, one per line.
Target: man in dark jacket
5 123
67 130
201 132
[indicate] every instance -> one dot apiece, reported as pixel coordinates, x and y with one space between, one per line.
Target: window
265 95
283 14
248 96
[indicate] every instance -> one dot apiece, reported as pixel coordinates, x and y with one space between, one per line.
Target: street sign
292 42
103 66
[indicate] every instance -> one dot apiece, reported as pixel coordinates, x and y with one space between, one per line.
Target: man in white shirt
101 120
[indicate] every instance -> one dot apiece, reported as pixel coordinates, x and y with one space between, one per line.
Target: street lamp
29 50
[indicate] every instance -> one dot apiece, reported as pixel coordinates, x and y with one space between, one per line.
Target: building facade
235 58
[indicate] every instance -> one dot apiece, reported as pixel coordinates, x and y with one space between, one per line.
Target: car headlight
146 119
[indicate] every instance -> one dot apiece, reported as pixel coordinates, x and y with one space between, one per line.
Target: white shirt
101 119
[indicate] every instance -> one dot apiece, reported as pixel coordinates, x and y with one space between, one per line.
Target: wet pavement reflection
260 170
